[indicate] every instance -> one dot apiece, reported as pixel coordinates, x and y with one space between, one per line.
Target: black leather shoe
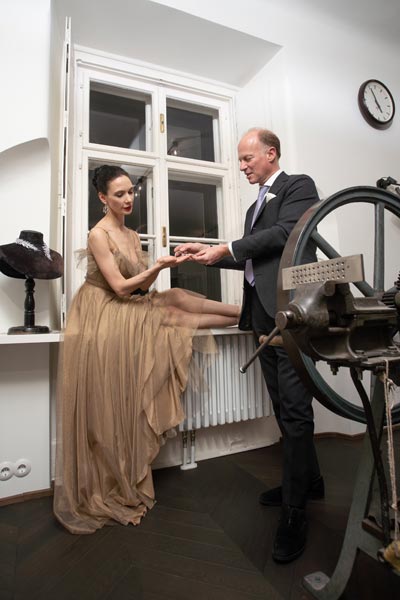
290 538
274 497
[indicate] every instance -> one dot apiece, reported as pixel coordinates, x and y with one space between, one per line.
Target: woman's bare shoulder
98 234
98 238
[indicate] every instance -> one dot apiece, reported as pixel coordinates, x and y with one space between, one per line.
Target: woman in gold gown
125 363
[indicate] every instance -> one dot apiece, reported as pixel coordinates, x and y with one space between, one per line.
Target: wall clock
376 104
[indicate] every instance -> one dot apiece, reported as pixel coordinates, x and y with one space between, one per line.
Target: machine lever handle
260 348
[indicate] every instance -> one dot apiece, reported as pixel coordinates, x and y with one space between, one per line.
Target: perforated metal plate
345 269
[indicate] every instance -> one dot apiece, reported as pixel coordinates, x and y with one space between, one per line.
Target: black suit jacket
264 243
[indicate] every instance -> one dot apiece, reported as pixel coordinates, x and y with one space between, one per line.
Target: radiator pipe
184 447
193 448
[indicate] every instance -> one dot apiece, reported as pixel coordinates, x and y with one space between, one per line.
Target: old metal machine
327 311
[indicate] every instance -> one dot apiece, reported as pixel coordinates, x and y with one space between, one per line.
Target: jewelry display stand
29 313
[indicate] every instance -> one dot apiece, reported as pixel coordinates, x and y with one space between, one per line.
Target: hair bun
104 174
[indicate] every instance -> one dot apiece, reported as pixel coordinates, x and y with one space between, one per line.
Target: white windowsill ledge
56 336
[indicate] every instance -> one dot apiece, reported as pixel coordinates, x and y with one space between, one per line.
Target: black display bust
29 313
30 258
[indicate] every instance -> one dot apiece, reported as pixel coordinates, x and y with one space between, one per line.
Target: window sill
57 336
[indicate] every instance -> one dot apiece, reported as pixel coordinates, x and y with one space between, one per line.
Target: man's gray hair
268 138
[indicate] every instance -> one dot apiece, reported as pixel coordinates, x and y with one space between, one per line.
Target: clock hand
376 101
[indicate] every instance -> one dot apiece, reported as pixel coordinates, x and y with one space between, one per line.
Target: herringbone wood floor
206 539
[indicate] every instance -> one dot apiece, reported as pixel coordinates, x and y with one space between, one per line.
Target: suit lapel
274 189
279 183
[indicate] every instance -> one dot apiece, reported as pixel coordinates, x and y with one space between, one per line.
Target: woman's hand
166 262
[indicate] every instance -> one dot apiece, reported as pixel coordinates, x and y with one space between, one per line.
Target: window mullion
160 198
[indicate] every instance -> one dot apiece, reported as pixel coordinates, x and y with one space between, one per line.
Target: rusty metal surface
344 269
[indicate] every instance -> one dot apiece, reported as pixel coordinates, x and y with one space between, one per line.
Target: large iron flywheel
377 247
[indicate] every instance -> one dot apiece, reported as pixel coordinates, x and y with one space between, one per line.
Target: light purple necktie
248 271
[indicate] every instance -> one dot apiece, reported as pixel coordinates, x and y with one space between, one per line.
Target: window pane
192 209
197 278
117 117
193 213
190 134
138 219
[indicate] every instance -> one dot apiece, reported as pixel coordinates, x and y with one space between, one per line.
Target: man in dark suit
282 199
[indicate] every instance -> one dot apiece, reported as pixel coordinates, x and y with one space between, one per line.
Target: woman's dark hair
104 174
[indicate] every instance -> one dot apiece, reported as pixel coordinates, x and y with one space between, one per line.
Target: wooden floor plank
243 581
93 576
174 515
149 584
231 495
179 547
185 531
8 559
55 558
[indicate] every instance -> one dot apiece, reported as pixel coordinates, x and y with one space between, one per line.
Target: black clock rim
364 110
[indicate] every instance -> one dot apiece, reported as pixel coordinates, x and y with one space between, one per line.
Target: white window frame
162 86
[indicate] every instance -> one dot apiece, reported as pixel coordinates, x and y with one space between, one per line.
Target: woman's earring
105 209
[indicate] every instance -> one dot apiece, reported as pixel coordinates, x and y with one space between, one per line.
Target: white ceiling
168 37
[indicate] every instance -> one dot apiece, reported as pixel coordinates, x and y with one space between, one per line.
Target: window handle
164 236
162 123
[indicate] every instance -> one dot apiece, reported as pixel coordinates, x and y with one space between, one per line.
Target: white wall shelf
31 338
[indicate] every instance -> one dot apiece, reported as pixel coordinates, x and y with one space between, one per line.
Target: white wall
24 146
25 198
25 422
24 60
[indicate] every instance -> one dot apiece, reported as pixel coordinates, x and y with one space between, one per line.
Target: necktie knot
261 192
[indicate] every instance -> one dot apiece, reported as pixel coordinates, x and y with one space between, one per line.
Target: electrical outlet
22 467
7 470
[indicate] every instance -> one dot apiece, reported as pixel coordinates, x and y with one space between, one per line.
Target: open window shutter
63 172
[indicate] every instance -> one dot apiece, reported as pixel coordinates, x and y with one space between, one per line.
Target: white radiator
226 395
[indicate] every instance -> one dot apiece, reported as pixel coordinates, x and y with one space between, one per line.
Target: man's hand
211 254
189 248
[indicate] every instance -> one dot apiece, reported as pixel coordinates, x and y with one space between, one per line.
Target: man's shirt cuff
229 244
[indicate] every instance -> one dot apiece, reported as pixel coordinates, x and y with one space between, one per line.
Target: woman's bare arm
99 246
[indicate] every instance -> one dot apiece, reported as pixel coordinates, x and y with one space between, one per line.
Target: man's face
256 160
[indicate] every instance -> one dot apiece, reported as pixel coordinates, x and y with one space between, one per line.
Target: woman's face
119 197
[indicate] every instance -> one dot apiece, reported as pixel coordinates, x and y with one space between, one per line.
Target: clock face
376 104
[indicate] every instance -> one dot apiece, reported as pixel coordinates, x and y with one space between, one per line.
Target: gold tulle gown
121 377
